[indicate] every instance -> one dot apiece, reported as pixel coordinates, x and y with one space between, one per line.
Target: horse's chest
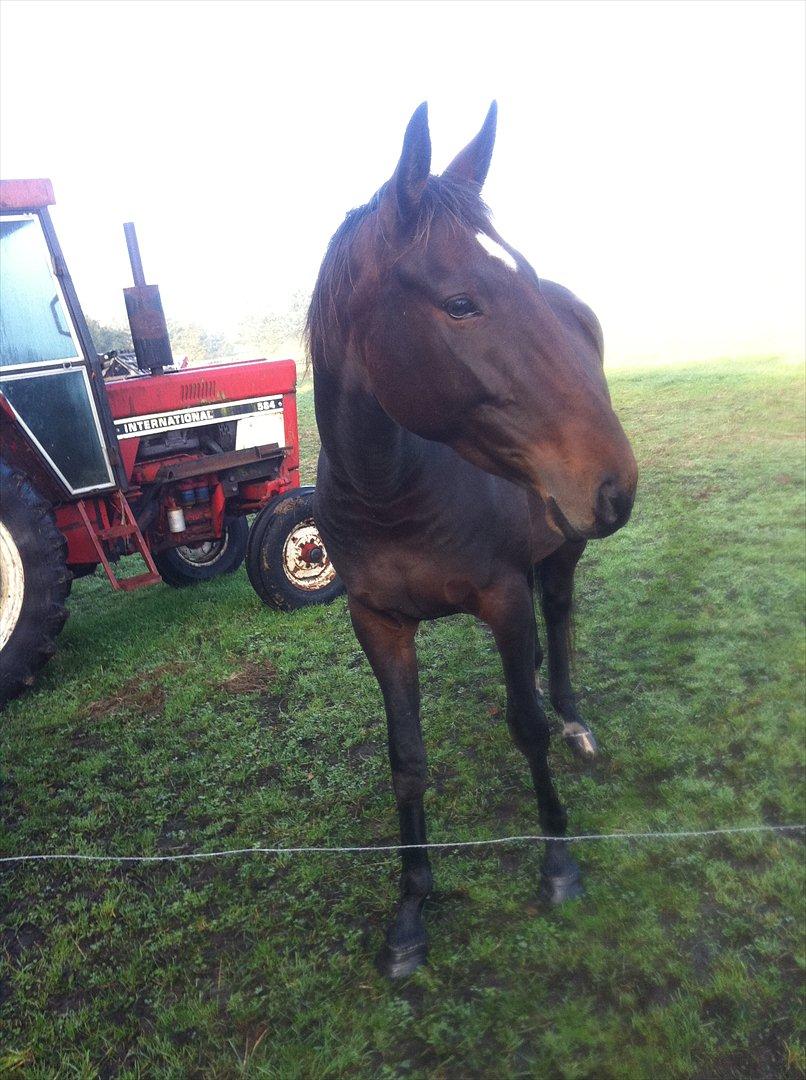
436 549
417 580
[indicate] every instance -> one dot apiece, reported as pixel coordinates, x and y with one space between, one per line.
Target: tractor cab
50 377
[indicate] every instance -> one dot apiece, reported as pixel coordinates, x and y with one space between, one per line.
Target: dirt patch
64 1004
17 940
272 712
364 751
767 1056
705 494
84 740
510 808
251 679
141 695
442 777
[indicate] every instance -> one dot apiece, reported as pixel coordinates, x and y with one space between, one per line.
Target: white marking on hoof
573 730
580 740
492 247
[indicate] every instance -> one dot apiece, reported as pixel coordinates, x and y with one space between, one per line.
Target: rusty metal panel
25 194
218 463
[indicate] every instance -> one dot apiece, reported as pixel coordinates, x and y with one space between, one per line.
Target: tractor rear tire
34 583
182 566
286 560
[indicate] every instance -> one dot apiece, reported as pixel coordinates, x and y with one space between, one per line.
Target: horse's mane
326 327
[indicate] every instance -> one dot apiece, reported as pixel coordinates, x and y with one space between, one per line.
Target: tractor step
121 524
129 583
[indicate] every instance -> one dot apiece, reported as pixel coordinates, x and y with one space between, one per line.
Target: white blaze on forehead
492 247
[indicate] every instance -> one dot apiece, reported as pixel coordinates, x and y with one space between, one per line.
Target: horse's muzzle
614 503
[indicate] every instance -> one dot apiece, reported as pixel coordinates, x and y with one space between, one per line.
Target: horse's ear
472 163
404 191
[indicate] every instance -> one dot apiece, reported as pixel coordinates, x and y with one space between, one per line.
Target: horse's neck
366 449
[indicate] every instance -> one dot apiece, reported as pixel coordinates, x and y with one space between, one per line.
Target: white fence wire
686 834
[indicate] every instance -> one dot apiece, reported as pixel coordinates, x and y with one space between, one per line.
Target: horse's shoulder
573 312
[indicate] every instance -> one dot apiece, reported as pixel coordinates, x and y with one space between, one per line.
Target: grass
179 721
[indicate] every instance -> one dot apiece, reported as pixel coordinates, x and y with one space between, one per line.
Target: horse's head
460 345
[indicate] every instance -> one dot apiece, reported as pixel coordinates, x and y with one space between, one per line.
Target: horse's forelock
443 198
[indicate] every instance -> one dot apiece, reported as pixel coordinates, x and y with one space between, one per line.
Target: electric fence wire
685 834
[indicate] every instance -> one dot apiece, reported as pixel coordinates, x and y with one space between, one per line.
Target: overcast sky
650 155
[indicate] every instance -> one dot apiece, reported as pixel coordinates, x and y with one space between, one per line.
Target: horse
469 450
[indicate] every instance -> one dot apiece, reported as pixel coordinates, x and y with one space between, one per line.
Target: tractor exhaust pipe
146 317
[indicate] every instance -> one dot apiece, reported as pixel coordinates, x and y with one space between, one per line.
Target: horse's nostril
613 506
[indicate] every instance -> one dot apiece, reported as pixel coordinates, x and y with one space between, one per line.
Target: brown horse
469 451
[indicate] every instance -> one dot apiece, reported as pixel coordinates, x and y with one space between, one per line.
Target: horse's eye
460 307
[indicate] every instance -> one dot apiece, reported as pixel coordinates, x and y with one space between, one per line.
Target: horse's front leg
556 579
389 645
510 614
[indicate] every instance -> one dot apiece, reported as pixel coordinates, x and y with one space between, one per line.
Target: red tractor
155 461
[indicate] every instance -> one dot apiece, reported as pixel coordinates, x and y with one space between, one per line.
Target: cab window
34 327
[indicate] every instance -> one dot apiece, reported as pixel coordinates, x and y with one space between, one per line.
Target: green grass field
181 721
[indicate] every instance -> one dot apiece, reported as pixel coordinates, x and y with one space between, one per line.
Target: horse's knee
554 819
409 784
556 592
556 603
531 736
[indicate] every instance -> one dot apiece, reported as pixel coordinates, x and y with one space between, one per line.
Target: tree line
259 335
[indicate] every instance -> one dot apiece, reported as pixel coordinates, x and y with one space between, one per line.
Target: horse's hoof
397 963
557 888
582 744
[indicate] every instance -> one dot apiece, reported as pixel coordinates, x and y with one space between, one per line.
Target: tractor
153 460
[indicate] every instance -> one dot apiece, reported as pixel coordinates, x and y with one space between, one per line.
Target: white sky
650 155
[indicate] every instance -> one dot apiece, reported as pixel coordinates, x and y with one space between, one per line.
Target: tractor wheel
181 566
286 560
34 583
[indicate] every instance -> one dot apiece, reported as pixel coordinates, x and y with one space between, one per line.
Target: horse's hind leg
556 579
389 645
510 614
538 664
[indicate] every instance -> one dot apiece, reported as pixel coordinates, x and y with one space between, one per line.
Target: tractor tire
34 583
286 560
182 566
